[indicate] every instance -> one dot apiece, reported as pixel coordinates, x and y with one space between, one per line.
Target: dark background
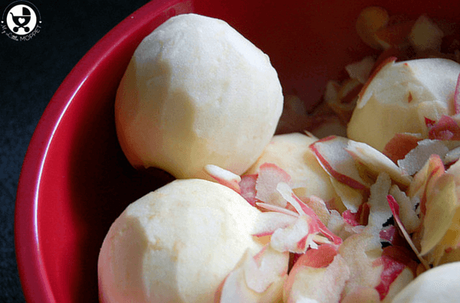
30 73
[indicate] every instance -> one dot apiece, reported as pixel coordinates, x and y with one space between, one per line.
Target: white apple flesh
197 92
439 284
176 244
398 98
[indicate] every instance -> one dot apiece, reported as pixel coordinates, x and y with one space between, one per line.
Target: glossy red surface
75 179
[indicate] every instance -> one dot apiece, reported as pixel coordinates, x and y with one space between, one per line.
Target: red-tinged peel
400 145
295 238
432 169
429 122
391 270
265 268
332 155
395 210
360 217
255 279
376 162
351 198
248 188
317 258
275 208
318 205
426 178
402 255
287 193
360 252
441 206
394 262
224 177
444 129
388 233
307 284
416 158
407 209
270 221
379 212
351 218
269 177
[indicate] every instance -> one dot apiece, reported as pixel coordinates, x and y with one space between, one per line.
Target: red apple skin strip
339 176
394 261
248 188
270 175
394 206
400 145
441 208
435 170
445 129
224 177
391 270
285 191
270 221
317 258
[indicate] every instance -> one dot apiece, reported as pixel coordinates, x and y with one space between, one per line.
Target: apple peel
376 162
380 211
307 283
224 177
360 252
256 279
400 145
416 158
302 208
446 128
441 207
332 155
269 177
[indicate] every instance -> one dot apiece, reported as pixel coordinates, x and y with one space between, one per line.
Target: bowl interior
76 180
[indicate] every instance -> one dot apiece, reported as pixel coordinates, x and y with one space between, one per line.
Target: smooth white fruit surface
176 244
400 96
197 92
440 284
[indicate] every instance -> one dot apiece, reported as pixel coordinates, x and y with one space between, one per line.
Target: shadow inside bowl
101 193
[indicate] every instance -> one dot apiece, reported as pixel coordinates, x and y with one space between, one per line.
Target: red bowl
75 179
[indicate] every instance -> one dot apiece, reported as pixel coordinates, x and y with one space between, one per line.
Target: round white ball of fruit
440 284
176 244
197 92
399 98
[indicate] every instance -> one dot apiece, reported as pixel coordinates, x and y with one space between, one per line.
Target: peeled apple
196 92
176 244
440 284
400 96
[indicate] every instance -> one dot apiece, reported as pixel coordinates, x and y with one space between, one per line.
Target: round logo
21 21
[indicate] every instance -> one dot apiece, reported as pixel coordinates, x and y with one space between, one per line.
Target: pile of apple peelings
394 227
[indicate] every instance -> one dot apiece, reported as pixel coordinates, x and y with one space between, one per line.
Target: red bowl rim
34 280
